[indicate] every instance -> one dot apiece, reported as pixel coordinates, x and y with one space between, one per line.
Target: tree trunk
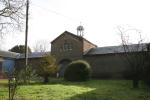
135 83
46 80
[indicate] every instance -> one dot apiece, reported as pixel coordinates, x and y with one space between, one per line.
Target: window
67 47
70 47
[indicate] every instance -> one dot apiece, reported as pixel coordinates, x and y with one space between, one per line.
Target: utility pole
26 34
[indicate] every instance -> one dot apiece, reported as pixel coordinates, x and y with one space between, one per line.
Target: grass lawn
57 89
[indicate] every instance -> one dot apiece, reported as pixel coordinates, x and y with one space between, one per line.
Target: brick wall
34 62
76 51
108 66
87 45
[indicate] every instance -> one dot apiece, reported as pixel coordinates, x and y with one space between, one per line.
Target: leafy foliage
78 71
46 67
20 49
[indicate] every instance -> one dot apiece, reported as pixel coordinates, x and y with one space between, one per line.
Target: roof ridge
74 36
115 49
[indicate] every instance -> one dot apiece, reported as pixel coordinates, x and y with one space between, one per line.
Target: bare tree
134 53
41 46
11 15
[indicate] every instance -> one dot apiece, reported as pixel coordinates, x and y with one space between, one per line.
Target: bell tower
80 31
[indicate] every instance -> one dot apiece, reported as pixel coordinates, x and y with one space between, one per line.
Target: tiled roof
115 49
8 54
34 55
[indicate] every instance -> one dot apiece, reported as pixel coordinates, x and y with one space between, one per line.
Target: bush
78 71
146 74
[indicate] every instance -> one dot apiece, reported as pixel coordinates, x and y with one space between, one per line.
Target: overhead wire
56 13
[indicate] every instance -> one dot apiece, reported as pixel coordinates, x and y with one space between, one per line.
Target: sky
101 20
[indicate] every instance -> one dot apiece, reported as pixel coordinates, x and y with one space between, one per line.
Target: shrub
46 67
78 71
146 74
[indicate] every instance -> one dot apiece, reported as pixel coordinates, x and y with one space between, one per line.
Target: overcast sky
100 19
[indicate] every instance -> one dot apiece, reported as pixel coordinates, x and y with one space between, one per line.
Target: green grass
57 89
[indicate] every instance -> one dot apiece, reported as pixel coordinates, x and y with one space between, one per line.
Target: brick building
68 47
106 62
